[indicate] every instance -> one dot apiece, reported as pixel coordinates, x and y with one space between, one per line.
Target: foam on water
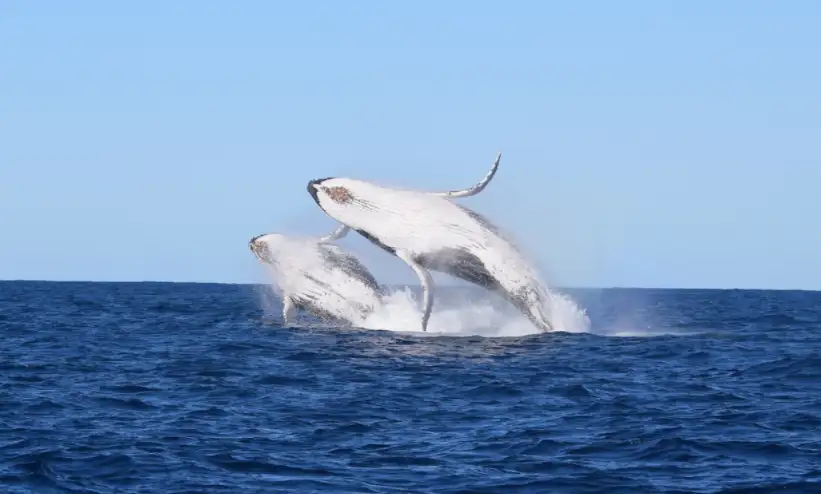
465 317
643 332
400 312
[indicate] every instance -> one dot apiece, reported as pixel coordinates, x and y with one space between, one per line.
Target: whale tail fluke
479 187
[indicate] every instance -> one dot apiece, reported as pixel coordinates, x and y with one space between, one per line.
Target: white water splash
464 317
400 312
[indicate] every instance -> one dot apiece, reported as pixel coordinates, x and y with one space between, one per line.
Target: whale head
265 246
338 197
330 190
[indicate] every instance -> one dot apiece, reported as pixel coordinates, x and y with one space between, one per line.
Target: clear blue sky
667 144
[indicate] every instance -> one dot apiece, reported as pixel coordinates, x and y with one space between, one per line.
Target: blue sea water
192 388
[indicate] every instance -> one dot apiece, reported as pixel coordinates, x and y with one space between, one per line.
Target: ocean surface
195 388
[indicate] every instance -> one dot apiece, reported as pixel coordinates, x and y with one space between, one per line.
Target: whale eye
340 195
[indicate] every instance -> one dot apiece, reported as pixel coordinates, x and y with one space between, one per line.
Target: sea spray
461 315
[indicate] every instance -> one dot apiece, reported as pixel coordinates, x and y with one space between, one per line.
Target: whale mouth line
253 240
313 186
312 190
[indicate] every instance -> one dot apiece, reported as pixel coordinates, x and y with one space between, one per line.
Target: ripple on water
185 388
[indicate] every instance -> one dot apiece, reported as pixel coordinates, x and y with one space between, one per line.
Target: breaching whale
318 277
430 232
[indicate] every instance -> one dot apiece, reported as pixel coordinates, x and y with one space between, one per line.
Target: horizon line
440 285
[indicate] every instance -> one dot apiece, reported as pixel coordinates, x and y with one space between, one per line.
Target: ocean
195 388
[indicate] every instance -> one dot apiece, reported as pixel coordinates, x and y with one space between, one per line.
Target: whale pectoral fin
340 232
479 187
288 310
427 285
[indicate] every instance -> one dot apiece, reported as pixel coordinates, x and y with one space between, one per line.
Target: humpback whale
430 232
318 277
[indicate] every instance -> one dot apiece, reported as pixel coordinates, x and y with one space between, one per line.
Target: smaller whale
318 277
